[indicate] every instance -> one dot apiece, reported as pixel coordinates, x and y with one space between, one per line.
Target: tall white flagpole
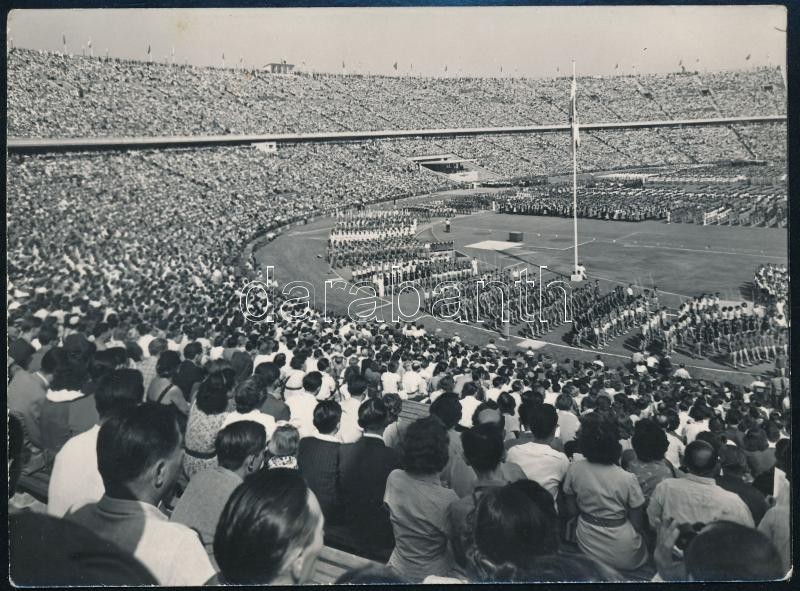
574 169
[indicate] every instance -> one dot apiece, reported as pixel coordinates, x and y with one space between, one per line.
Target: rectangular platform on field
494 245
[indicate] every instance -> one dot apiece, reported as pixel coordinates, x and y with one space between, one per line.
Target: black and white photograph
398 295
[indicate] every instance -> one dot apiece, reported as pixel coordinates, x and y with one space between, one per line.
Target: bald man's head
700 458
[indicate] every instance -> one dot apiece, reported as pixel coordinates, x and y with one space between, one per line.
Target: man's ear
160 473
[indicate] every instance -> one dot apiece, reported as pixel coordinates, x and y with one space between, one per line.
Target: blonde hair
285 440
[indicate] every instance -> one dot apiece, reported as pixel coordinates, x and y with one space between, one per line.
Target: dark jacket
752 497
318 461
364 467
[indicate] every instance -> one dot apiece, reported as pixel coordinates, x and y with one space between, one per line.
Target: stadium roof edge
30 145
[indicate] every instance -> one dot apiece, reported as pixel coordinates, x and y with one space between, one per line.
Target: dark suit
318 461
364 467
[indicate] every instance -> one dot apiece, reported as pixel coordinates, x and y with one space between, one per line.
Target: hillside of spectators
53 95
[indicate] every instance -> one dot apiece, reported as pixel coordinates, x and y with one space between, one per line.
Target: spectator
318 459
351 431
75 480
270 532
696 498
139 457
270 378
538 460
302 404
646 461
249 396
733 462
240 451
206 417
364 467
418 502
163 389
283 447
607 499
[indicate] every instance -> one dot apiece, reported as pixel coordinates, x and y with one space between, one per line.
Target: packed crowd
182 444
234 462
50 95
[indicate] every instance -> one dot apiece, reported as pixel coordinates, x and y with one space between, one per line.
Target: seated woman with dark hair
270 532
163 388
608 500
418 503
206 416
646 461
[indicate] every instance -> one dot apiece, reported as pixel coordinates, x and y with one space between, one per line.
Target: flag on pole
63 39
149 49
573 111
90 43
747 58
445 68
395 65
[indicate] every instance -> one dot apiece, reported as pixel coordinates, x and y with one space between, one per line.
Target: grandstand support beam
33 145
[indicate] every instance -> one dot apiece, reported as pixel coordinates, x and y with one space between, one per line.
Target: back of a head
212 394
488 412
425 446
327 416
131 443
357 386
372 415
447 408
483 447
312 381
649 441
700 458
726 551
117 391
167 364
394 406
239 440
267 517
598 439
732 460
268 372
502 544
249 395
543 421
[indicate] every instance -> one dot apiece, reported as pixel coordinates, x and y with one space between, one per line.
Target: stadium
145 200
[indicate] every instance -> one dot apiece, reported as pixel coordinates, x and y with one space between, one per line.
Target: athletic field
682 260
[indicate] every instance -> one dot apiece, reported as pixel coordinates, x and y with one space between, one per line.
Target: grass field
682 260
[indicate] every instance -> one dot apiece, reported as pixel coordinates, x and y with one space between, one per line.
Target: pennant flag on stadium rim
148 50
747 58
63 39
395 65
90 43
573 111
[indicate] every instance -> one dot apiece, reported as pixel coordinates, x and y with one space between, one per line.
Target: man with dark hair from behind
240 451
318 459
351 430
364 467
269 375
75 480
189 371
538 460
696 497
139 453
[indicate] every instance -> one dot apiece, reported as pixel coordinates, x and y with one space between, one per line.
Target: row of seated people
219 100
567 433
